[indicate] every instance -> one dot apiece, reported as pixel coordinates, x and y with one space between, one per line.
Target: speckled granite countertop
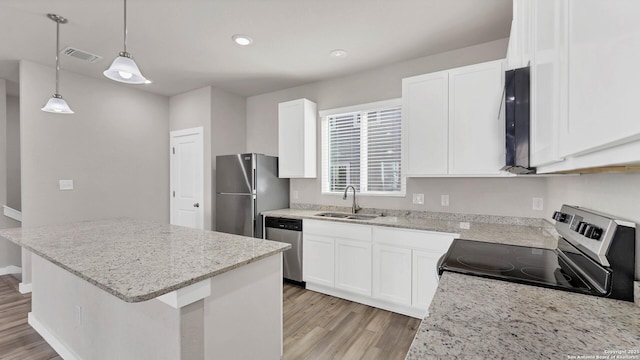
138 260
477 318
498 229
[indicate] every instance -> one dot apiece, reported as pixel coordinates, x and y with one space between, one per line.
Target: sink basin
347 216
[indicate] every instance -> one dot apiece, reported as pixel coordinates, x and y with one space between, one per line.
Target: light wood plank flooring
316 326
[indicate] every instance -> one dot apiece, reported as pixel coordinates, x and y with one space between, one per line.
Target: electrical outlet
66 184
465 225
538 204
444 200
296 194
418 199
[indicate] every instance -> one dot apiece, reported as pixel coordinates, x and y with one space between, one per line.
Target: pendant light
124 69
56 104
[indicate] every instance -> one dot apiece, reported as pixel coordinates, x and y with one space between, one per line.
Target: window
361 146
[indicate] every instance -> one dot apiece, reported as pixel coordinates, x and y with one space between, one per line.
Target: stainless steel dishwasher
288 231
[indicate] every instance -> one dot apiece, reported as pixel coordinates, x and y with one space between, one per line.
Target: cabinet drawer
335 229
413 239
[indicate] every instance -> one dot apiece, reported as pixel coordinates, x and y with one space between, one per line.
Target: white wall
222 115
114 148
9 252
615 194
14 199
487 196
189 110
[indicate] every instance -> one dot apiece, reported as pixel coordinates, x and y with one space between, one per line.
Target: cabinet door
297 139
392 274
520 50
318 260
476 122
425 277
425 119
353 266
548 80
604 53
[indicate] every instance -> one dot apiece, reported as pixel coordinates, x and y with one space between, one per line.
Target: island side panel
243 315
107 327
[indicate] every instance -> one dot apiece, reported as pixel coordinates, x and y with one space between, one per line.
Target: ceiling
183 45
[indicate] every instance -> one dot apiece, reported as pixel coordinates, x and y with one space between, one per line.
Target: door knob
196 205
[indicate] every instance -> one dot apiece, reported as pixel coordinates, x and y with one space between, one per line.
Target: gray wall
114 148
482 195
14 199
222 116
9 253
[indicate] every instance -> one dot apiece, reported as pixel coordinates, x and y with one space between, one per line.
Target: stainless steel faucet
354 207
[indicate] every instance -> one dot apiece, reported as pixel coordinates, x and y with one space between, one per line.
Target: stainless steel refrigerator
246 185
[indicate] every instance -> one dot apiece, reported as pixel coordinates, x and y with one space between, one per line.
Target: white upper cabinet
520 48
452 124
425 111
604 53
297 139
476 131
549 75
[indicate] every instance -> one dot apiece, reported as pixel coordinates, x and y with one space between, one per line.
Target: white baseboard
24 288
12 213
11 269
51 339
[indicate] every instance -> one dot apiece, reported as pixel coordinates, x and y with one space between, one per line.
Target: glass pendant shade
57 105
125 70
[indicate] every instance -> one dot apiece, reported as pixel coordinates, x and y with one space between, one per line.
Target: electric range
595 256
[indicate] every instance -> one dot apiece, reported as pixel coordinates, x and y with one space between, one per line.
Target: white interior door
187 178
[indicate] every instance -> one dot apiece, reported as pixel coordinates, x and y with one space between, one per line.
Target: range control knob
559 216
593 232
582 227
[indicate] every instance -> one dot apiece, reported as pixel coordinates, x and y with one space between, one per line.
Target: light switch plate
538 203
444 200
465 225
66 184
418 199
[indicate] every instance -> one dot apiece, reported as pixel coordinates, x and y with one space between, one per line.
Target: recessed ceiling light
338 54
242 40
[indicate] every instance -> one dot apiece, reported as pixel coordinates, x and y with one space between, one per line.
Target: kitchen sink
337 215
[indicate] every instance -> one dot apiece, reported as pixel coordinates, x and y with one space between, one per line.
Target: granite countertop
497 229
138 260
477 318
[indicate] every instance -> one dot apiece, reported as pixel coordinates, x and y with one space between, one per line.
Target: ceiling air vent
81 54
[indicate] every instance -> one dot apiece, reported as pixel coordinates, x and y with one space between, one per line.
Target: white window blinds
363 148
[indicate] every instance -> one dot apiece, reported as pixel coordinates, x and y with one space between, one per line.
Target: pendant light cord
57 56
125 26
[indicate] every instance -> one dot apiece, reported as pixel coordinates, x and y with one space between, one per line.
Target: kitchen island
134 289
477 318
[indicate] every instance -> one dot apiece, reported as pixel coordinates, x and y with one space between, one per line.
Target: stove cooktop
527 265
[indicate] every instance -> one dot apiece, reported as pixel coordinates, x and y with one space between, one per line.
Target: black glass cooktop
535 266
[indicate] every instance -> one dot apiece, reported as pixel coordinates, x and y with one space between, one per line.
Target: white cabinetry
476 132
297 139
318 254
353 266
425 108
451 122
392 274
519 52
604 52
425 278
548 79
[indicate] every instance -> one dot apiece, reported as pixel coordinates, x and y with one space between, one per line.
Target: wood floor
316 326
17 339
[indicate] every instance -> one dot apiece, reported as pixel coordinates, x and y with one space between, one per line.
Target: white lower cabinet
392 274
389 268
318 254
353 266
425 277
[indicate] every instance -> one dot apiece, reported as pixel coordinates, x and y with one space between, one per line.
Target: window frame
363 109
